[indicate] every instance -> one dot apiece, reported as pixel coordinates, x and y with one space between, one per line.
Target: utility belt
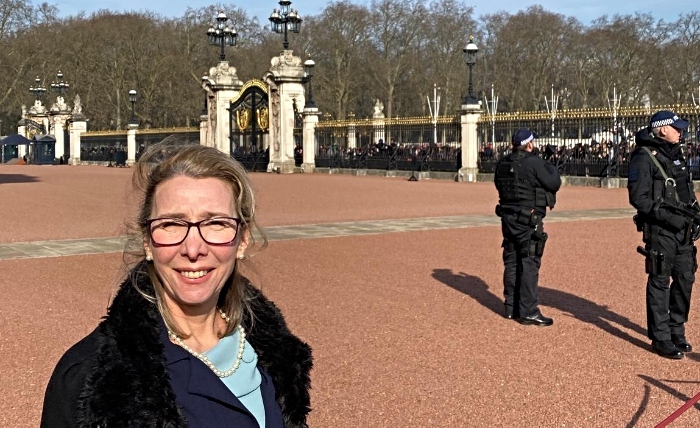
528 217
654 258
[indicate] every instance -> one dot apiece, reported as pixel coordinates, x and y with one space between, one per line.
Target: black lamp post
285 19
205 78
221 35
308 68
470 58
132 99
60 86
37 89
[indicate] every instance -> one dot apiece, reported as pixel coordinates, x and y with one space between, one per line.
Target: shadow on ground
664 385
17 178
582 309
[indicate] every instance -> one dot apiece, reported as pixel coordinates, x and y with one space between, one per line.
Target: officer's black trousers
521 269
668 306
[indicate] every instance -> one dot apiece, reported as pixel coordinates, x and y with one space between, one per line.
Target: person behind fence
661 190
187 340
526 185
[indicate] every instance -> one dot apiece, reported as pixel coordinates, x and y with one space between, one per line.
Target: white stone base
286 167
467 175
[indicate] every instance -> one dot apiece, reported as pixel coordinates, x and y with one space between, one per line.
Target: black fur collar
128 384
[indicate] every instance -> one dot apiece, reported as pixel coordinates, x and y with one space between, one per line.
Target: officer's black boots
681 343
667 349
537 319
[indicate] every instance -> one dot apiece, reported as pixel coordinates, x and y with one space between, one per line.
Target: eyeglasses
166 232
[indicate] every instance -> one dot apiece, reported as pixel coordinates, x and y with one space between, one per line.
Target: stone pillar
58 122
378 123
21 130
470 146
58 116
76 127
222 84
352 134
204 138
309 139
131 143
286 88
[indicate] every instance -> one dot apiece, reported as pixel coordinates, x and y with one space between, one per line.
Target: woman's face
194 272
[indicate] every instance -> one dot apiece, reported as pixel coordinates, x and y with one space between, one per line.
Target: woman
187 340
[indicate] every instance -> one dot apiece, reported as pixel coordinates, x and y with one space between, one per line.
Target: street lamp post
284 20
308 68
221 35
132 100
470 58
205 111
37 90
60 86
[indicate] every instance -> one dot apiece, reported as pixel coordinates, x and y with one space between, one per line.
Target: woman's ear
243 244
147 250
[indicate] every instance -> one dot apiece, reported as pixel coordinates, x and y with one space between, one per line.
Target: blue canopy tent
9 144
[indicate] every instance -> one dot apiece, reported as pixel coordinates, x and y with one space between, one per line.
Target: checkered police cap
522 136
667 117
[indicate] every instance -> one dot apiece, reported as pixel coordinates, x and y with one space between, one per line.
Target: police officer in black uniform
661 190
526 185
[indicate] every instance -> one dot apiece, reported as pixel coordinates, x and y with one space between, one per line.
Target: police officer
526 185
661 190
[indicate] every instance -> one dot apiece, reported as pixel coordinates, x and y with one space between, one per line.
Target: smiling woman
178 346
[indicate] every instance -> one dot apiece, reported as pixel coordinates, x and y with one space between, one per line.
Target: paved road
69 247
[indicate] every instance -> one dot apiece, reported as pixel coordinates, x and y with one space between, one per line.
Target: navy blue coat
127 373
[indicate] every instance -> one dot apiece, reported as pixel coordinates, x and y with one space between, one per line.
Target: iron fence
104 146
410 144
590 143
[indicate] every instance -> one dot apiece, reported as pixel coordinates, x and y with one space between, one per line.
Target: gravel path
406 326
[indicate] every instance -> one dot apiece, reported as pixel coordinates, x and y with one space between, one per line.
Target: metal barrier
103 146
590 143
410 144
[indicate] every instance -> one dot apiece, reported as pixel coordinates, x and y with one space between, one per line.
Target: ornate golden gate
249 125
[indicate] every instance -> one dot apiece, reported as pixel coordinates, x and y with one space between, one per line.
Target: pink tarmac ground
406 327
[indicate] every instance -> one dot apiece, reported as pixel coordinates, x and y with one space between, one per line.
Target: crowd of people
408 152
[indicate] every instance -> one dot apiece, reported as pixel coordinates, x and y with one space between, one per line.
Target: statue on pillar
378 109
77 106
59 105
37 108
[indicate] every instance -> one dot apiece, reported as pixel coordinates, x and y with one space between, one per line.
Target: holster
646 228
654 262
539 244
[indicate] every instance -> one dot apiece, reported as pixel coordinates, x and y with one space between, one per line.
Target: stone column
21 130
309 139
222 84
131 143
286 88
58 121
378 123
352 134
470 114
76 127
204 138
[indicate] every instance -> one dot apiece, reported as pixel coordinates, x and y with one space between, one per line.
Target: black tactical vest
511 188
678 171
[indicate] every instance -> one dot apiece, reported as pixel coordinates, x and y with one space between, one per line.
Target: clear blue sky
584 11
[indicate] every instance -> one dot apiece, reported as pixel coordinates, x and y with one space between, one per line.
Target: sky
584 11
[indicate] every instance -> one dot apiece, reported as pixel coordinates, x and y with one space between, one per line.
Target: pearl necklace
207 361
